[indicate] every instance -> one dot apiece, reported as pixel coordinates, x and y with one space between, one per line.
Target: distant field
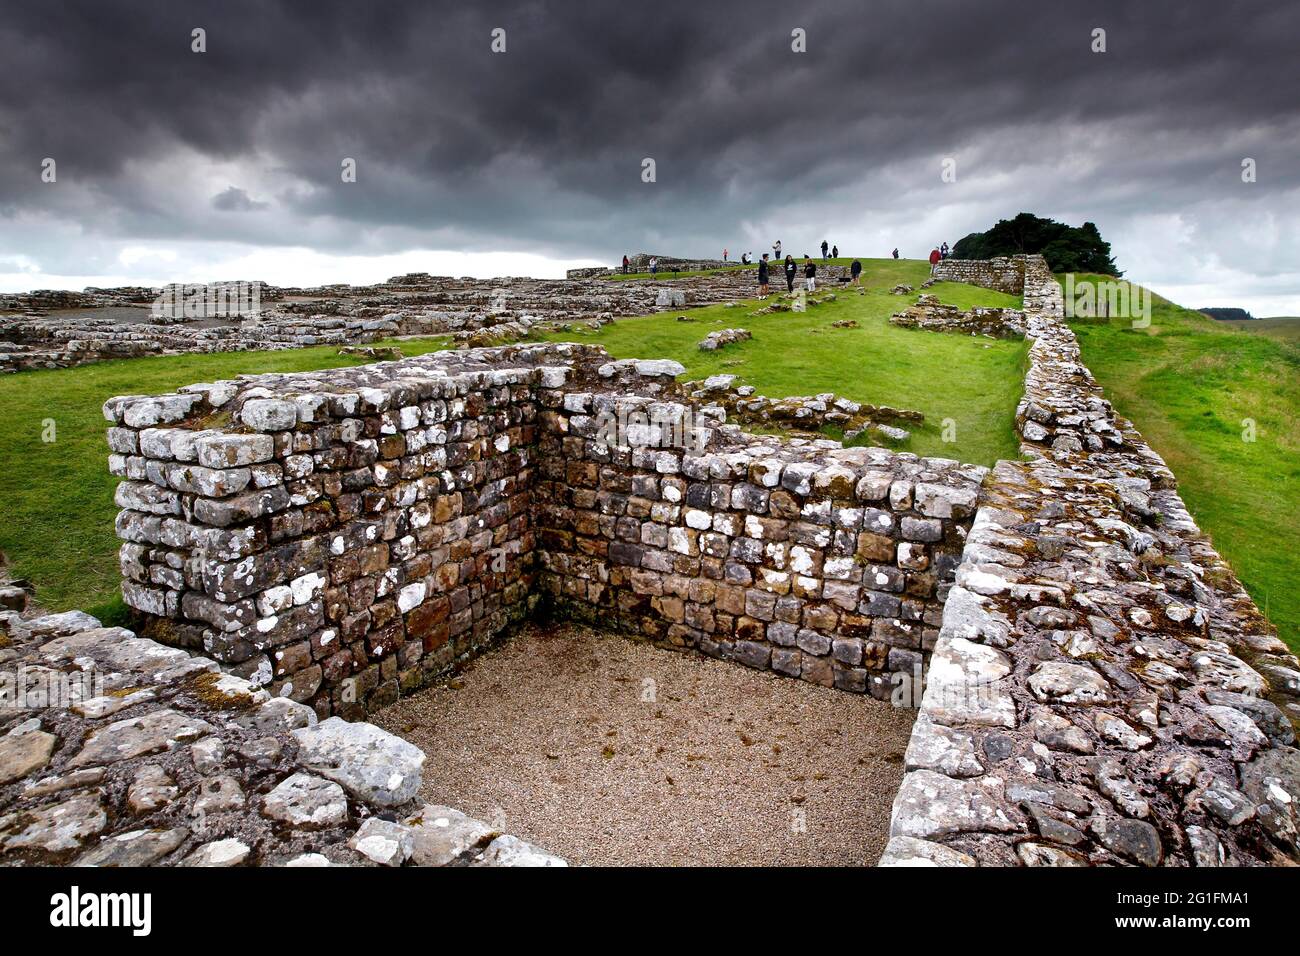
974 382
1283 328
1195 387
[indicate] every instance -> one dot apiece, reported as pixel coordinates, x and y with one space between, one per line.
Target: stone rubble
723 337
200 768
930 314
798 414
57 330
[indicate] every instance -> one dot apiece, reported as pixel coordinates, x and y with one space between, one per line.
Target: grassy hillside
1193 386
975 382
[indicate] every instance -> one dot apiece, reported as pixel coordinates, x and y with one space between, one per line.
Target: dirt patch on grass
606 752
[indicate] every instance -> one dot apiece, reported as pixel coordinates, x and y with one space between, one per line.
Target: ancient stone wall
813 560
119 324
1003 275
1102 690
345 536
340 536
641 263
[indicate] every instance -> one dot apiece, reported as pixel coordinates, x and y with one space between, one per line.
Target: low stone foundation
640 263
412 305
930 314
799 414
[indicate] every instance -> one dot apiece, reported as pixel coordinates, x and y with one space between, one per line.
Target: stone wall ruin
346 536
46 330
1002 275
1101 690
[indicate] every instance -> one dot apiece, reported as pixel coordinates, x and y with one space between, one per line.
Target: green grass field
58 496
1284 329
1193 386
974 382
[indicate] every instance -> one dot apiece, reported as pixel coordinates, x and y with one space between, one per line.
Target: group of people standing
937 254
791 269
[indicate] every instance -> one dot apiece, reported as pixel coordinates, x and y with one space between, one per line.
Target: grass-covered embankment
1221 406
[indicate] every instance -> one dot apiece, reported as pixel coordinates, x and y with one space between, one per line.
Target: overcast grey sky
174 165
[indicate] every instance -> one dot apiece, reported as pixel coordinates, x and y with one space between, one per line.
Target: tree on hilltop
1066 248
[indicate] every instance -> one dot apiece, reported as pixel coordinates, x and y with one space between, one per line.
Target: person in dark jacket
762 277
855 270
791 270
809 274
825 245
835 252
895 252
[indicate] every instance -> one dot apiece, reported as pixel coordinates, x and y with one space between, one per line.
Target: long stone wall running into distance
1103 690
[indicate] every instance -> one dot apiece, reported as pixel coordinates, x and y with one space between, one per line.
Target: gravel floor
549 738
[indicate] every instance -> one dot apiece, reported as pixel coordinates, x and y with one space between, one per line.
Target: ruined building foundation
1099 688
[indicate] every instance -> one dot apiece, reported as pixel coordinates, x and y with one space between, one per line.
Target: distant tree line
1228 314
1066 248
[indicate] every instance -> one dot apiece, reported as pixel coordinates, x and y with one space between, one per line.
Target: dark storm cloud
234 199
541 147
